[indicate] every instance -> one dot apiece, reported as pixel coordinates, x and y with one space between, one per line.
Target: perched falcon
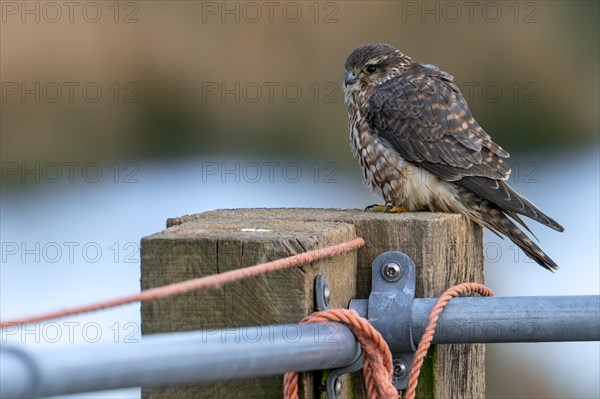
422 150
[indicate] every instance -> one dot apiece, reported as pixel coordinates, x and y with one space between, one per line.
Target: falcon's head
372 64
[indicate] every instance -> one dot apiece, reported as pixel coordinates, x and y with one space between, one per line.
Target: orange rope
377 358
200 283
430 329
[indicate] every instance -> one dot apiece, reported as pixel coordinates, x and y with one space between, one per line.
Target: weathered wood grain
208 246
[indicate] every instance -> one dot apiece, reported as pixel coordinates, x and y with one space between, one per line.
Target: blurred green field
185 78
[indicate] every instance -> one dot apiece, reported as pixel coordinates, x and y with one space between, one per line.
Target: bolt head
338 387
391 272
326 295
400 369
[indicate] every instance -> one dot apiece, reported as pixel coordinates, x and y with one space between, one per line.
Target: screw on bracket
334 384
391 271
326 295
400 369
322 293
338 387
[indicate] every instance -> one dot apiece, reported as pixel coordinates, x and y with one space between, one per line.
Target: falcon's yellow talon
385 208
376 208
397 209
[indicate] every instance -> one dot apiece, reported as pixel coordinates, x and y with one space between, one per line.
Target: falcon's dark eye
371 68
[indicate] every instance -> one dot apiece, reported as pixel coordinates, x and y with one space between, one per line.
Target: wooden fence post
446 248
208 246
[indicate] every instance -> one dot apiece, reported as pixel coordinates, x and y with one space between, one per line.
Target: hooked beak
350 79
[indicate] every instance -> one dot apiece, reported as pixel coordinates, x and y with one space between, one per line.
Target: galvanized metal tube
176 358
511 319
203 356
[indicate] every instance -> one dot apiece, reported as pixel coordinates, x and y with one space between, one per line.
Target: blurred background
116 116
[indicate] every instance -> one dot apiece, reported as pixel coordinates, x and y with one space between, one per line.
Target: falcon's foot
387 208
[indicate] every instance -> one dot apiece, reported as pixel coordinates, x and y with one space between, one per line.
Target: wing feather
423 116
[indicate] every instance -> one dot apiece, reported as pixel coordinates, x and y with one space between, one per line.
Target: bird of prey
421 149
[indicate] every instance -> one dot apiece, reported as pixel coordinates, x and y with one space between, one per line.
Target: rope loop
377 358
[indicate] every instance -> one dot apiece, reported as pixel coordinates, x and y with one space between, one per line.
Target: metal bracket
390 308
333 385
